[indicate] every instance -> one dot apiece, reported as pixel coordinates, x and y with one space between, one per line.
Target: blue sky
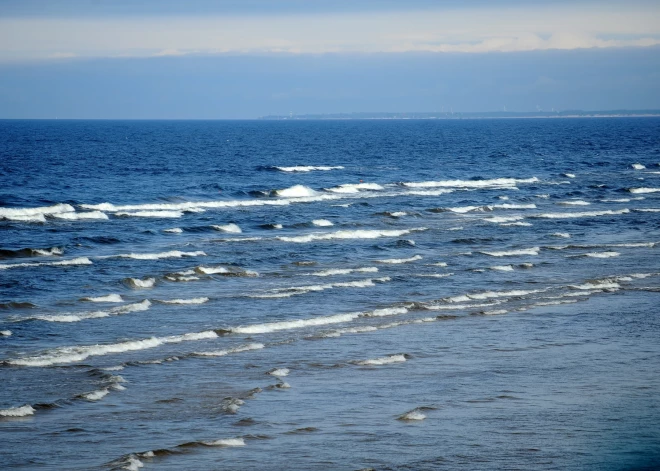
241 59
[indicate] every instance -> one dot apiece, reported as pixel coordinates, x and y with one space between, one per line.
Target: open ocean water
330 295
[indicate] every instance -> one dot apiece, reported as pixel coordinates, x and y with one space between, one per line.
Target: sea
330 295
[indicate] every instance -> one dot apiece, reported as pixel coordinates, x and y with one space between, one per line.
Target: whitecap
400 260
519 223
184 301
77 317
296 191
150 214
22 411
81 352
356 234
40 212
322 223
648 210
502 268
233 228
156 256
514 253
5 333
109 298
73 261
295 324
580 214
95 395
279 372
242 348
138 283
80 216
344 271
226 442
564 235
308 168
355 188
412 415
211 270
503 219
493 183
638 166
644 190
574 203
174 230
568 175
602 254
383 360
385 312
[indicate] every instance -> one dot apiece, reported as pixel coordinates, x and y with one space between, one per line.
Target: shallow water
424 294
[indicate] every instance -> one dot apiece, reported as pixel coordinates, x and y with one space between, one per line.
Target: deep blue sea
330 295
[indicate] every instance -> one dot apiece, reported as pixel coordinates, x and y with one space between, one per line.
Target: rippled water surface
395 295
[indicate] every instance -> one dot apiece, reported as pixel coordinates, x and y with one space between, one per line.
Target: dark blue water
395 295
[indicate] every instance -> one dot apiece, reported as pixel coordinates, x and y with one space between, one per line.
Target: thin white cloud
523 28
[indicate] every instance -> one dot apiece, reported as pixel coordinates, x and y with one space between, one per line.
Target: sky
204 59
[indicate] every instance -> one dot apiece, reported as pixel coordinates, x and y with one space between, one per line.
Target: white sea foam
644 190
156 256
465 209
298 290
233 228
308 168
503 219
580 214
226 442
455 307
355 188
495 312
597 285
40 212
602 254
493 183
356 234
568 175
396 214
519 223
150 214
412 415
565 235
574 203
184 301
344 271
385 312
427 192
400 260
545 197
81 352
383 360
80 316
439 264
434 275
95 395
648 210
512 206
279 372
80 216
502 268
174 230
138 283
322 223
241 348
22 411
109 298
514 253
5 333
638 166
295 324
73 261
296 191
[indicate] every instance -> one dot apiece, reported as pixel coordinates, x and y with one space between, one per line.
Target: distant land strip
470 115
